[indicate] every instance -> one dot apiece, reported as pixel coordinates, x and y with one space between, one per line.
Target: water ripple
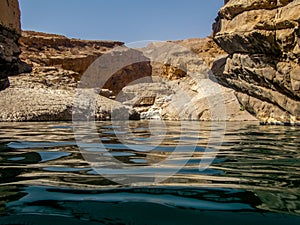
256 169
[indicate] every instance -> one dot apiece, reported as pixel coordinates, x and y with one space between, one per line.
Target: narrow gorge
254 53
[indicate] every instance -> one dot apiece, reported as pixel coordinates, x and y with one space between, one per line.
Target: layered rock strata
51 52
262 39
143 81
61 61
59 64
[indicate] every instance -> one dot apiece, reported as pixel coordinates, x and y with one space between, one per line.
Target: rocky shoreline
248 72
47 93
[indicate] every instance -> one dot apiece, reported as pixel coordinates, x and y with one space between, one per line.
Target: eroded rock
181 87
40 104
262 40
49 91
52 50
10 30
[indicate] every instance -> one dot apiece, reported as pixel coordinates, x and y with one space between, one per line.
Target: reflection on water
45 178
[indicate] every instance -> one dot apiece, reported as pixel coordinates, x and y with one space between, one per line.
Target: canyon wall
180 87
10 30
47 93
61 61
262 39
42 49
10 15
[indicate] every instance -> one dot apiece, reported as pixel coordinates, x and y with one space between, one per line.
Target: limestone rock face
61 61
40 104
48 92
201 100
10 30
262 38
205 48
51 50
181 88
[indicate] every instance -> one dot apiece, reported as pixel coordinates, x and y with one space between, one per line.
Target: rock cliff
181 88
47 93
262 39
52 53
60 61
10 30
10 15
133 78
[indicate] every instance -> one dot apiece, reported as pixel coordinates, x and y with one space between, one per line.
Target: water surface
46 178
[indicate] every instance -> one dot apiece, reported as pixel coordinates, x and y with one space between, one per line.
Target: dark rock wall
10 31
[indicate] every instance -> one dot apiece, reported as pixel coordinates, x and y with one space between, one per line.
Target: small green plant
242 108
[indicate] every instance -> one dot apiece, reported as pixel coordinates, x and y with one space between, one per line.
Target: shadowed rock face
262 38
10 31
10 15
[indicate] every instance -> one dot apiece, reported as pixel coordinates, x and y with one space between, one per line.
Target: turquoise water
253 174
